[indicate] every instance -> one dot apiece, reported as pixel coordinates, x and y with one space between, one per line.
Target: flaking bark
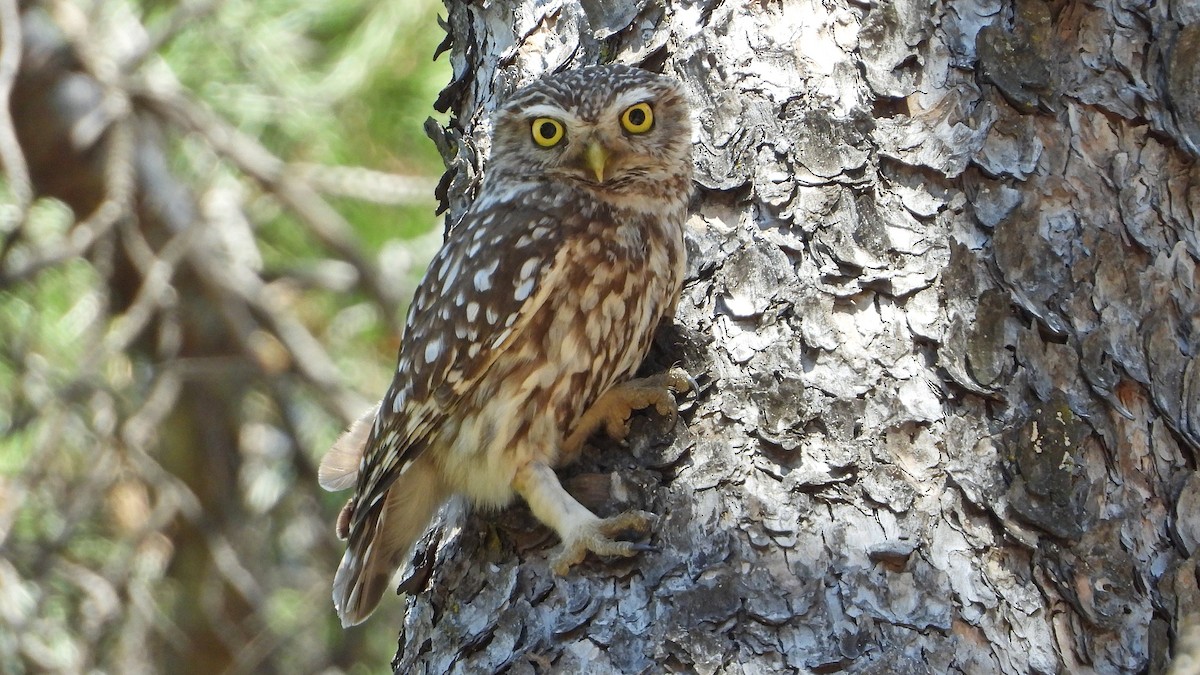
943 298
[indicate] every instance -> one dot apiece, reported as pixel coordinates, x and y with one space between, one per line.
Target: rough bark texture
943 290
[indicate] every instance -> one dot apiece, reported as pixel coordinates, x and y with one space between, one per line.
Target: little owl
523 335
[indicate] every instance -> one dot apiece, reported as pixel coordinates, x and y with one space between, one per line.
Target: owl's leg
613 408
580 529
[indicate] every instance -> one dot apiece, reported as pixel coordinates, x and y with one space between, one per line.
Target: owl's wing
493 275
476 299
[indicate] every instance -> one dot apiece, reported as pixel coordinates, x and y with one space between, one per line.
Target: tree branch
253 159
15 168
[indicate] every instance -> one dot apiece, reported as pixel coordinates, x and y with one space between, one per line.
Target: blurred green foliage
97 572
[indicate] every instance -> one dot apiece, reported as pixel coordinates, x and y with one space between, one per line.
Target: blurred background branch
211 215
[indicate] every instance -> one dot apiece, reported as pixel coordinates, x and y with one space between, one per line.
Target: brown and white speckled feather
546 294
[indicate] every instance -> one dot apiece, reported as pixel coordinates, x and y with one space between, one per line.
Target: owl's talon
689 383
597 537
675 381
643 547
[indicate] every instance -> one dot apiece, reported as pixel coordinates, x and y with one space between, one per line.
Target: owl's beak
596 156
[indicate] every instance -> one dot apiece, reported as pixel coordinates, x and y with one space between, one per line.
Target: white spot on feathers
528 268
523 291
452 274
483 278
433 350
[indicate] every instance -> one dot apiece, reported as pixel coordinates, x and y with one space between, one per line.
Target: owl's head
611 129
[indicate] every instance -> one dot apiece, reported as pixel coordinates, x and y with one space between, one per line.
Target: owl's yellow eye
638 118
547 132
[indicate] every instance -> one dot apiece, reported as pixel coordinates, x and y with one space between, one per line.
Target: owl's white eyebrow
639 95
547 110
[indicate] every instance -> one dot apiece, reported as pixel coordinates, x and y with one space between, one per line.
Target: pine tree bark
943 292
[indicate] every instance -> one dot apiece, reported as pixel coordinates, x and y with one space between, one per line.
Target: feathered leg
580 529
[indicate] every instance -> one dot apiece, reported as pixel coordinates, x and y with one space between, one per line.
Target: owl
523 334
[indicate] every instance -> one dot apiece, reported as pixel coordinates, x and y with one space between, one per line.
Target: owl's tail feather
379 545
339 466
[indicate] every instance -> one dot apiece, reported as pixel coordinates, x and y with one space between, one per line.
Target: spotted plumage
542 301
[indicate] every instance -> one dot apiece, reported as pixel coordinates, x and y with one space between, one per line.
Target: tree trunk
943 294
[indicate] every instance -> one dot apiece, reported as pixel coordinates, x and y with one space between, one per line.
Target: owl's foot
580 530
597 537
612 410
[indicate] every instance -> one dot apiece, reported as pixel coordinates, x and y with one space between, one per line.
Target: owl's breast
612 282
626 279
